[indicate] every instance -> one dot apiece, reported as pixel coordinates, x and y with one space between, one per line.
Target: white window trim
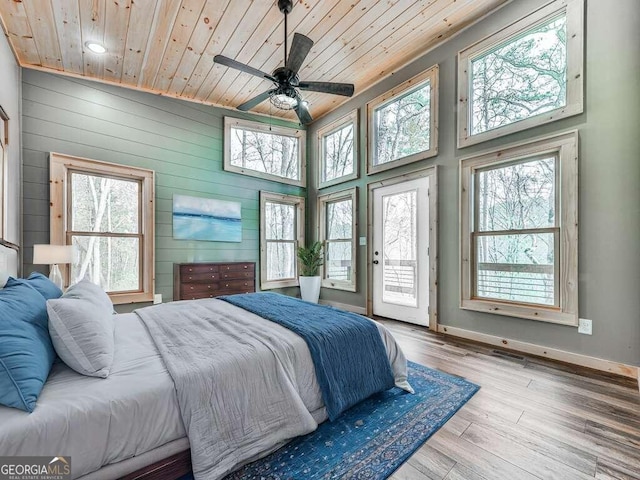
301 135
323 200
299 203
565 146
575 84
430 75
60 165
349 119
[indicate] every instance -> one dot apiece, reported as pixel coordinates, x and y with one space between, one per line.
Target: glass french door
400 253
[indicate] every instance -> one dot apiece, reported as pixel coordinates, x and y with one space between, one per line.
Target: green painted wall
181 141
609 169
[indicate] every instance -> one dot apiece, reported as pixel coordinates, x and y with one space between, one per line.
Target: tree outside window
403 123
338 151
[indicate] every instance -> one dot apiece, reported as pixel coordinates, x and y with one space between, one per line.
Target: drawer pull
191 288
227 285
245 267
191 269
209 287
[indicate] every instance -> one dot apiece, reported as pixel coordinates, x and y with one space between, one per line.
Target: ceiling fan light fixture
284 100
96 47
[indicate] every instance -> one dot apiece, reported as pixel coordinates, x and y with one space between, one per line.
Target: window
525 75
403 123
264 151
338 151
106 212
281 233
519 230
338 227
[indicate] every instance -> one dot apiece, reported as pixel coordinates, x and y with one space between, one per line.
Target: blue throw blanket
348 354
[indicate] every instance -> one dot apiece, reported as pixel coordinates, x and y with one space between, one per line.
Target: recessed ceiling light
95 47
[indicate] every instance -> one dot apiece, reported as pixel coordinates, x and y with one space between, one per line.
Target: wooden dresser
208 280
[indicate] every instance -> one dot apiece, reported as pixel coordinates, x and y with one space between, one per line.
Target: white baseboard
345 306
552 353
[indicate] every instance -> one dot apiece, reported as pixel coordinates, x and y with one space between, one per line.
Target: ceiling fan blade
345 89
303 113
249 104
228 62
299 51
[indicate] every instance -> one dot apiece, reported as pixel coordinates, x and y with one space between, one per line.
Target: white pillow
82 329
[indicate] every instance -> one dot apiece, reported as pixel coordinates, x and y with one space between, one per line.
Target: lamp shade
52 254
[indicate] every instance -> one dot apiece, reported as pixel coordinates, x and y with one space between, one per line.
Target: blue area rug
372 439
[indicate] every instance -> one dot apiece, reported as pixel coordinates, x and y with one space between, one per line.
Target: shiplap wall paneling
181 141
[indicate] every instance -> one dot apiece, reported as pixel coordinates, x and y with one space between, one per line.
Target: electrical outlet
585 326
157 298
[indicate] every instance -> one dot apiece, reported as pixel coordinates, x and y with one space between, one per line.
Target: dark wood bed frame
170 468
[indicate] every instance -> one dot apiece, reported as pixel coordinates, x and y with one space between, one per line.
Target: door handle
375 262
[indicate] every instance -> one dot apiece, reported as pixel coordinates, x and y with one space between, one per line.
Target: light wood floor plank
532 418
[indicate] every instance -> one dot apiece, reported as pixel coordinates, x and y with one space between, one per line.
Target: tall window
265 151
109 219
281 233
338 230
403 123
527 74
519 246
4 145
338 150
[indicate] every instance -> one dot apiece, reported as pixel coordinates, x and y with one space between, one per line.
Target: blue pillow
43 285
26 352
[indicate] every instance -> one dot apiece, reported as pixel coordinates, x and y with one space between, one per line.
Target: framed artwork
196 218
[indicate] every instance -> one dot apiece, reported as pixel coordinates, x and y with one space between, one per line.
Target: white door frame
432 173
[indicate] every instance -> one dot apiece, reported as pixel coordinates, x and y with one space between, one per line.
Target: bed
130 424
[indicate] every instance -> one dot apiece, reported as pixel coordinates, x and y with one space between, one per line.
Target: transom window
338 228
527 74
402 123
265 151
519 244
338 150
109 219
281 233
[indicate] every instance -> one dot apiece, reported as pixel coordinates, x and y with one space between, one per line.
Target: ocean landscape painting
196 218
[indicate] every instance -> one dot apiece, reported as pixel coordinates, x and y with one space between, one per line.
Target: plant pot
310 288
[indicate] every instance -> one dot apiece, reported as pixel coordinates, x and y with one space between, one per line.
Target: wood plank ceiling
167 46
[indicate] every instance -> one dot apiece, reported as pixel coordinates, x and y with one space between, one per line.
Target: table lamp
53 255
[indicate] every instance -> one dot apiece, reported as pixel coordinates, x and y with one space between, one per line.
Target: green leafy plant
311 259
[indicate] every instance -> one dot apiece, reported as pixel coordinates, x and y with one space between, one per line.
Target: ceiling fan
285 94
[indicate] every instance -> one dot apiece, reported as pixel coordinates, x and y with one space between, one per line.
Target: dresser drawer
200 277
237 267
198 268
239 285
196 296
235 275
186 291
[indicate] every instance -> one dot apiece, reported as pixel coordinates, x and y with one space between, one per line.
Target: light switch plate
363 241
585 326
157 298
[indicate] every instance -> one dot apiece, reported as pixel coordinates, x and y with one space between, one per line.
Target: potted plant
311 259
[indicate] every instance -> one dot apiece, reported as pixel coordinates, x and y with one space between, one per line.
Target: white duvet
245 385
